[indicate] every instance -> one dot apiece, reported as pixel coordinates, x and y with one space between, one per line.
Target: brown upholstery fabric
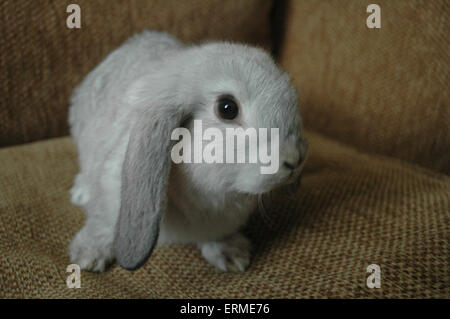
42 60
351 211
383 90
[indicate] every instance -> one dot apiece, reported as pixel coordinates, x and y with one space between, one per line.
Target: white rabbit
122 116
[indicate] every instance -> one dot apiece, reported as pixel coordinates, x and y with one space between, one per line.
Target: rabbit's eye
227 108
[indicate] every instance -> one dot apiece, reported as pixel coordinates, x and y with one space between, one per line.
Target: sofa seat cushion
352 210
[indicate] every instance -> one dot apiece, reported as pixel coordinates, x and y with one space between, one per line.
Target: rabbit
121 119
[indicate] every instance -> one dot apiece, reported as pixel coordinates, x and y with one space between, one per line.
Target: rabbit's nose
295 158
292 159
292 166
293 153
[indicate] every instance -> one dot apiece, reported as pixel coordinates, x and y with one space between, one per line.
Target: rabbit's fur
121 118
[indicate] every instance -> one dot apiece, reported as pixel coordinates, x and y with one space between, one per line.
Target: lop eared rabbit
122 117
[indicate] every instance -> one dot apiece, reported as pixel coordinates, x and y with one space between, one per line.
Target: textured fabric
383 90
351 211
41 60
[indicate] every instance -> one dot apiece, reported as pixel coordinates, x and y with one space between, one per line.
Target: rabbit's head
206 90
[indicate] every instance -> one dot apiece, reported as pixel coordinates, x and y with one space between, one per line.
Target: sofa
375 189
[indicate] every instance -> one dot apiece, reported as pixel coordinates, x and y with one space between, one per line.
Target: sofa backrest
383 90
41 60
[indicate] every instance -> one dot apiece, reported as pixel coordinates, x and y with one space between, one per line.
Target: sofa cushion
352 210
383 90
42 60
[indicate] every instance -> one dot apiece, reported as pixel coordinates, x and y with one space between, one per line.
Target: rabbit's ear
145 176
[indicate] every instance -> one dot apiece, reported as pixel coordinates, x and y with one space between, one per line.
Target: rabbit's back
99 112
100 95
99 115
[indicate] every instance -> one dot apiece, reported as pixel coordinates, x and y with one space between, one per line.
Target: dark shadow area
277 26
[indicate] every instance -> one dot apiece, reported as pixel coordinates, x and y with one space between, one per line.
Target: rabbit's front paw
79 193
91 252
230 254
